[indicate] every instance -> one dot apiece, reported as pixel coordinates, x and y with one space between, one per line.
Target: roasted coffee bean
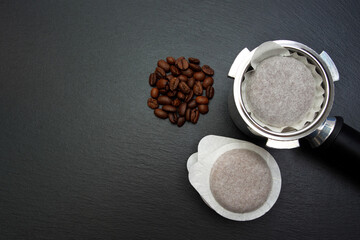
171 93
152 79
173 83
183 78
154 93
173 118
207 70
170 60
191 104
164 65
191 82
182 109
210 92
174 70
169 108
184 87
182 63
188 72
194 67
176 102
180 95
188 114
158 75
194 60
164 90
161 83
164 100
194 115
180 121
168 77
160 113
209 81
152 103
160 71
202 100
198 90
203 109
189 96
199 76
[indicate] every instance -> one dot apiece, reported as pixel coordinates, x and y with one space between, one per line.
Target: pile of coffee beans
182 87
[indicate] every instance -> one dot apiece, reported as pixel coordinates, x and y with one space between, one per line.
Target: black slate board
83 157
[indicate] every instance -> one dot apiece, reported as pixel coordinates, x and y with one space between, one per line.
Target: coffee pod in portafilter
283 91
237 179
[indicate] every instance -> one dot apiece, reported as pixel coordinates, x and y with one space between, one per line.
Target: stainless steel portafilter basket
323 130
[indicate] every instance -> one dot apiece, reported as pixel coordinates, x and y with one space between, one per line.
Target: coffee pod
282 92
237 179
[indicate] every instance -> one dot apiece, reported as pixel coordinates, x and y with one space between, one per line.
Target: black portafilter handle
342 142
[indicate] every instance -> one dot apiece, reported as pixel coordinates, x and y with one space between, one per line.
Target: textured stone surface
81 155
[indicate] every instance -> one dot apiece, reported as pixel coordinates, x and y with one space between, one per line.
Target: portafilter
322 131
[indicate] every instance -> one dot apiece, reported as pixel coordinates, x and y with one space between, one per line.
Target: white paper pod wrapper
200 166
279 123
